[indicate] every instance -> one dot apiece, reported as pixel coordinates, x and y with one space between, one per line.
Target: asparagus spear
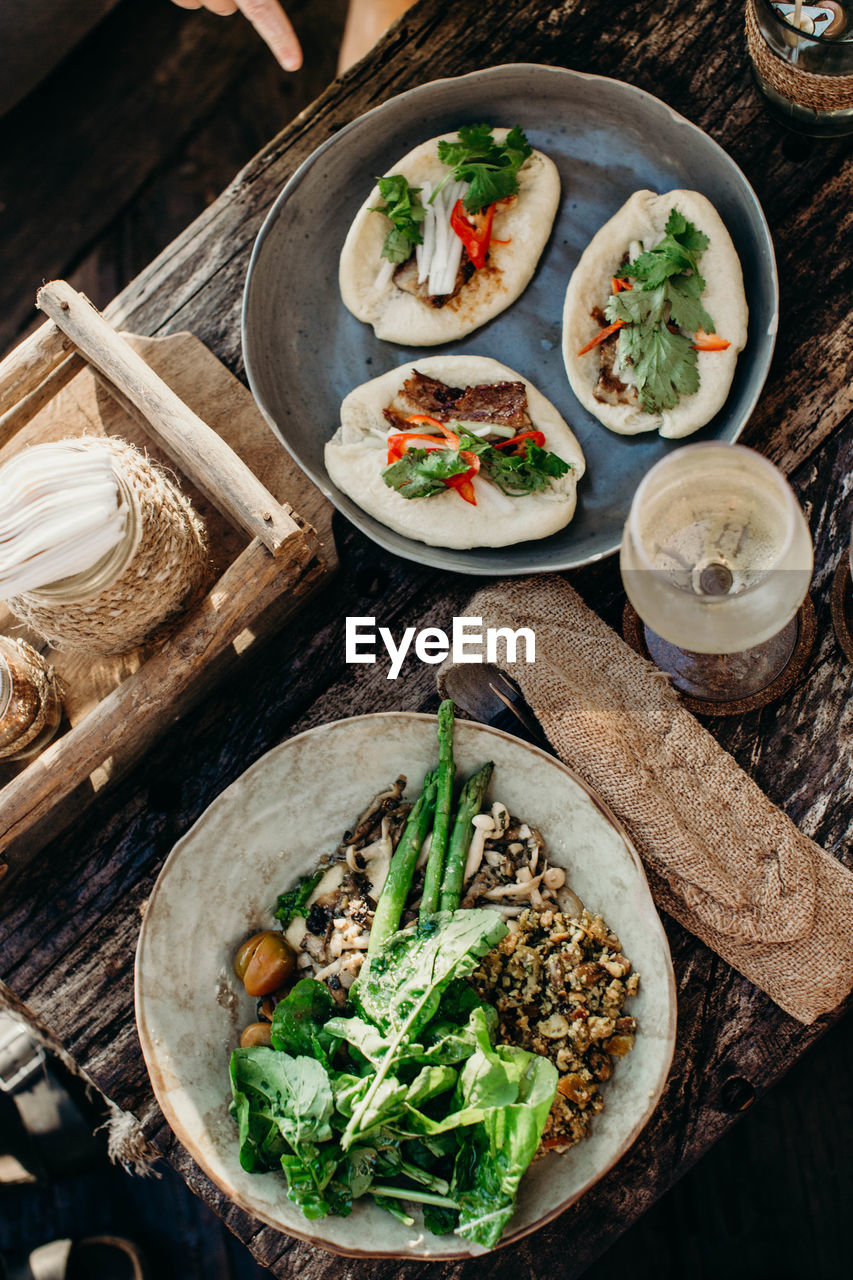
441 826
470 803
398 881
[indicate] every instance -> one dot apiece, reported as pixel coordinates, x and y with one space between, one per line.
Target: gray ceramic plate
220 882
303 351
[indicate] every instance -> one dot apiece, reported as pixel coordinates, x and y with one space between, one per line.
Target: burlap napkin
723 860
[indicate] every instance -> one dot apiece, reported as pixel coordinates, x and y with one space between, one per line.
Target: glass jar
30 701
806 77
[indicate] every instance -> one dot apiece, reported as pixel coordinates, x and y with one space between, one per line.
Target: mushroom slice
514 890
484 826
378 804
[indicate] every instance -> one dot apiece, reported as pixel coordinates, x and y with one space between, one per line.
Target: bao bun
397 316
357 455
643 219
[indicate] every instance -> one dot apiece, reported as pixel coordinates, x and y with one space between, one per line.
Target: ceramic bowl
221 881
304 351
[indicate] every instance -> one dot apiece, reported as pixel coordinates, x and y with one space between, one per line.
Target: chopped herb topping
403 207
666 297
423 472
490 167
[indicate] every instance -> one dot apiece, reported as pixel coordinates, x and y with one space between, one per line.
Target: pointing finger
274 27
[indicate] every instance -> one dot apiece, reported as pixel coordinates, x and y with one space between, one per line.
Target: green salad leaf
293 903
666 295
406 213
495 1153
300 1020
490 167
400 988
277 1094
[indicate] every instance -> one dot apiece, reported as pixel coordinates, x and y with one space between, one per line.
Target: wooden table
69 926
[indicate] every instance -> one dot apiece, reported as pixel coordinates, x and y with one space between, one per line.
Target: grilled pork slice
405 277
501 403
610 389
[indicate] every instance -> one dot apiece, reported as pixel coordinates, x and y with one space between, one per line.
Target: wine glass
716 558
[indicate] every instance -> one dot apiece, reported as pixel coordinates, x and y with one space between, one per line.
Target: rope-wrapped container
810 90
163 570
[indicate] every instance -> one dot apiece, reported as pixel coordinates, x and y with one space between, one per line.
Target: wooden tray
158 393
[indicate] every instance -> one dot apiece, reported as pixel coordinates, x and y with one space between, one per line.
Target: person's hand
269 20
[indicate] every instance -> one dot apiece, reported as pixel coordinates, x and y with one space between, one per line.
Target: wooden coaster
633 631
842 607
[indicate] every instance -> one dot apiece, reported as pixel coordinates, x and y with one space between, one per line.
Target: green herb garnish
422 472
490 167
293 903
402 205
668 289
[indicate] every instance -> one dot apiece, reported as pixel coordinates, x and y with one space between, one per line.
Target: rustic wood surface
69 927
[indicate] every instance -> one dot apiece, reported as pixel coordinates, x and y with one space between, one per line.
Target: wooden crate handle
194 446
24 368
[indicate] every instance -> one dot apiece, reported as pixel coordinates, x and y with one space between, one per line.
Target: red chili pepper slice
703 341
474 230
537 437
397 443
442 426
463 482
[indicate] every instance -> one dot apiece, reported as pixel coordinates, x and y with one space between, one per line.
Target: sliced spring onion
424 251
384 274
447 253
486 429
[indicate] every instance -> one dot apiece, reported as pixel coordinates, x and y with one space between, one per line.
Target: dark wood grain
69 933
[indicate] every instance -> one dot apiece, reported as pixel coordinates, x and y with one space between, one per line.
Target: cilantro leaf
659 311
694 241
665 367
686 308
421 472
490 167
403 207
530 472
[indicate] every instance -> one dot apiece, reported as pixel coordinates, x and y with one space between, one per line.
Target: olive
264 963
255 1033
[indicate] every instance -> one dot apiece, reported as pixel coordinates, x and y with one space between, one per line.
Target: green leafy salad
659 314
400 1094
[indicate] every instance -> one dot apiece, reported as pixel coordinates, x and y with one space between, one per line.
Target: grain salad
559 984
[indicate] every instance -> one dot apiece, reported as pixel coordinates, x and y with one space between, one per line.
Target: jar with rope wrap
99 549
802 57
